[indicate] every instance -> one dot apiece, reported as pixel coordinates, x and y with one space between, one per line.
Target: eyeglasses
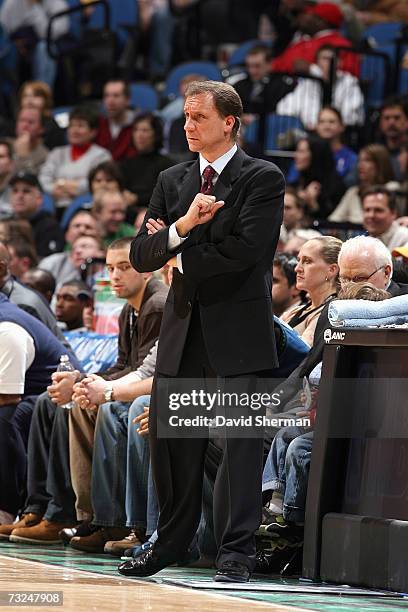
359 279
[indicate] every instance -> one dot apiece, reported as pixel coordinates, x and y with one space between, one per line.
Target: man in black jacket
26 298
223 214
26 202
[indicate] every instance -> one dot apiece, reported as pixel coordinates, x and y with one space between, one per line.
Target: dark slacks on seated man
222 215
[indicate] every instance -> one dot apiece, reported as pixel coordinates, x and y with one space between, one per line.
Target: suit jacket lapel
223 188
188 188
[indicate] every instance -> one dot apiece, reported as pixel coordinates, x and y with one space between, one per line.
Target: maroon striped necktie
208 175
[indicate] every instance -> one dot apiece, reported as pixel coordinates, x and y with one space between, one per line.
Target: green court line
107 566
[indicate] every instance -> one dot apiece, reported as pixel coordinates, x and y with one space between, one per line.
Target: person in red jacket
115 128
318 26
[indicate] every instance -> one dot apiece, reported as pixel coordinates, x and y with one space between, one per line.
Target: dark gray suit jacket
226 264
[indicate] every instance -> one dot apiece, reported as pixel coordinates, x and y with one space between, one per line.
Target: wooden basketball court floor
91 582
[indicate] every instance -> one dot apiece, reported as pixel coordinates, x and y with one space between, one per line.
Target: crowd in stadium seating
73 194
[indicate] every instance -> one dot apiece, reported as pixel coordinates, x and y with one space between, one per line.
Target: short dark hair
286 262
156 124
42 280
86 112
126 86
8 145
112 171
22 248
79 285
260 48
226 99
381 190
393 101
121 243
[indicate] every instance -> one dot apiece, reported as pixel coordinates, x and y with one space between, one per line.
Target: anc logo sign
330 335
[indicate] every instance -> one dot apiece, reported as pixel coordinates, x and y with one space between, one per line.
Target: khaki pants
81 441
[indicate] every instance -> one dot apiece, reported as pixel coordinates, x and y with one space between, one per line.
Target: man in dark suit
222 215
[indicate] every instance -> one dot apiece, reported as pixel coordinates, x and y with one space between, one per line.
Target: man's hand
155 225
22 145
202 209
60 391
89 393
143 421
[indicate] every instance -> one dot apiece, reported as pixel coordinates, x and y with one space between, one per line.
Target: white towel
372 313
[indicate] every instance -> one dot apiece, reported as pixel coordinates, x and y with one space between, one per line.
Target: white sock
276 503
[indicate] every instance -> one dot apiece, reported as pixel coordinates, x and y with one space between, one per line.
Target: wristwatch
108 393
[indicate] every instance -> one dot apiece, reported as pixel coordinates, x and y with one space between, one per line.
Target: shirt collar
220 163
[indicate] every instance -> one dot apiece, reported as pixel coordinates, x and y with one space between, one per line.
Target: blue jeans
108 486
141 502
287 470
122 487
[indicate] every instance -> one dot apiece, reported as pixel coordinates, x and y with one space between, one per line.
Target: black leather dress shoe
147 564
232 571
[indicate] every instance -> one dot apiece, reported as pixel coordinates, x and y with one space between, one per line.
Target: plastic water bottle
66 366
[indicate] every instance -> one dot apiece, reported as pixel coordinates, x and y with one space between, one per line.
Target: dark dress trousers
217 322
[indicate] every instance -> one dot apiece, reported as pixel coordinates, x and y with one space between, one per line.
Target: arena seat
143 97
207 69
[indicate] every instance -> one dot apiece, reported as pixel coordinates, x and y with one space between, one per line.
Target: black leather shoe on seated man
147 564
232 571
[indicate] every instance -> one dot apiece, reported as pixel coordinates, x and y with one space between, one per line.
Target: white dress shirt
218 165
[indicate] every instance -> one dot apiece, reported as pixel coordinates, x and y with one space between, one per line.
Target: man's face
361 268
29 122
394 122
25 199
283 296
18 265
69 307
292 213
206 131
83 248
125 281
112 213
377 217
6 163
83 224
257 66
114 99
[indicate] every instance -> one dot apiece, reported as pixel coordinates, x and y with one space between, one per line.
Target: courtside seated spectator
26 202
373 168
115 129
393 128
6 172
82 223
36 94
306 99
65 172
316 273
285 294
22 257
109 209
70 300
318 184
26 298
260 90
40 280
29 355
66 266
141 172
318 25
379 217
29 150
